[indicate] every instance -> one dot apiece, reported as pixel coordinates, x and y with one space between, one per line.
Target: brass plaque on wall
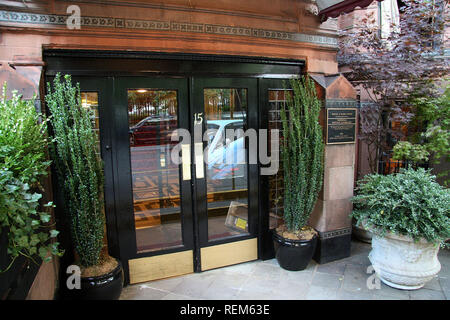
341 125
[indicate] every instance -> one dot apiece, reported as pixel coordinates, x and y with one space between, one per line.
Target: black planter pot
294 255
105 287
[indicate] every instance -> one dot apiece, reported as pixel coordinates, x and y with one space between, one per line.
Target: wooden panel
163 266
229 253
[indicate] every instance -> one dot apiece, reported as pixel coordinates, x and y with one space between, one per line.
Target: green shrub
302 151
432 117
404 150
23 164
409 203
79 168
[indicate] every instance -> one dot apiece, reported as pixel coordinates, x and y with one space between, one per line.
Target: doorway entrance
208 209
197 213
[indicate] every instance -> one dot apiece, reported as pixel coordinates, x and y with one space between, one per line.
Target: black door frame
127 231
92 68
265 244
198 84
194 212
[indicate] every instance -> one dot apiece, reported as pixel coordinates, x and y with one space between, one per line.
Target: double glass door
187 196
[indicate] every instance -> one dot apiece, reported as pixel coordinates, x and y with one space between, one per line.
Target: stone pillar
331 213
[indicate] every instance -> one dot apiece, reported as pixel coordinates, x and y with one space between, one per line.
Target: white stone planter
402 263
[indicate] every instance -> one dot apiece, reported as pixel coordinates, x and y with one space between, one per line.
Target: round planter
104 287
402 263
294 255
361 233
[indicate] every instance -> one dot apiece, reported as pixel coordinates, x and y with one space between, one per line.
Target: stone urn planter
402 263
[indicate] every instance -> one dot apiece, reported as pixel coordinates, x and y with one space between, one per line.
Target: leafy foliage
302 151
404 150
432 116
23 164
79 168
408 203
392 70
436 114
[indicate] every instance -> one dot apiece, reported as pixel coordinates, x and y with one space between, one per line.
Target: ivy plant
23 164
409 203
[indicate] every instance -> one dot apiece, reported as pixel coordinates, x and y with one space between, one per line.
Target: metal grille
277 100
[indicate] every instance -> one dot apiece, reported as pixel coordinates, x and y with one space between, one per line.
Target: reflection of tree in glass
225 103
142 104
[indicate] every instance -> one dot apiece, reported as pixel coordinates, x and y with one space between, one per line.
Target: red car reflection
153 130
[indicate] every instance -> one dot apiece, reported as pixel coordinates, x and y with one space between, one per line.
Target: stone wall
285 29
278 28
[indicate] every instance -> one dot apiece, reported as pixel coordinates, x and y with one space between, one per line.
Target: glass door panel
226 162
227 192
152 118
89 100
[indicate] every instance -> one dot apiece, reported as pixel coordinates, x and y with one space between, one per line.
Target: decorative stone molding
312 9
332 103
134 24
335 233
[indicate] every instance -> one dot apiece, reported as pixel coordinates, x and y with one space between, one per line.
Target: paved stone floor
265 280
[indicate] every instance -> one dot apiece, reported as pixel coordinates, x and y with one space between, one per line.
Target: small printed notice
341 125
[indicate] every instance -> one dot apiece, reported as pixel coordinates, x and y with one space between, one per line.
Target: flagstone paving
345 279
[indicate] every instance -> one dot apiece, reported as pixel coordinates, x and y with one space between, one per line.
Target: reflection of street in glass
152 116
226 161
226 157
226 149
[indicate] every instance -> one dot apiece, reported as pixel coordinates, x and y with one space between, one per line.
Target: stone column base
333 245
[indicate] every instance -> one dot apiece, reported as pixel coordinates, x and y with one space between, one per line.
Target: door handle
186 161
198 151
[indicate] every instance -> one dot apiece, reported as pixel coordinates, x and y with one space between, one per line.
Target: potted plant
80 177
408 215
407 154
302 150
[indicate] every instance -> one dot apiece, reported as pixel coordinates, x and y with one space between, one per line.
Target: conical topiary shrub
79 168
302 153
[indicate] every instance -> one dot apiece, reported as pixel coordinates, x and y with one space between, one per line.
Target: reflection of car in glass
226 156
153 130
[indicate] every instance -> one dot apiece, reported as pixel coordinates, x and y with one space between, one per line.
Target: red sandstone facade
280 29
